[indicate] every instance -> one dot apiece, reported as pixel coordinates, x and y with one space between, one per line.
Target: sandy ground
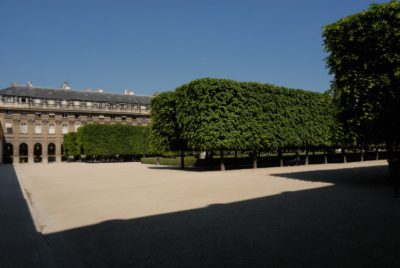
129 214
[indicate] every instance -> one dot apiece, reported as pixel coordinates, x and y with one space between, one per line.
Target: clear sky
158 45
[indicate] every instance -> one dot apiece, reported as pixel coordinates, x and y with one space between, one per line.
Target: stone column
45 148
15 153
30 153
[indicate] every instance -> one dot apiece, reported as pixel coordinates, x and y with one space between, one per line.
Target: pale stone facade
33 120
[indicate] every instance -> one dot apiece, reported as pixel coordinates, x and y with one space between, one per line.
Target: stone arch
23 153
37 153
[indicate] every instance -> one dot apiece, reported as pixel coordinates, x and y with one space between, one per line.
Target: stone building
33 120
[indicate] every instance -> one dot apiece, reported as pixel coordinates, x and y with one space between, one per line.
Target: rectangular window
8 112
52 129
38 115
23 128
64 115
9 129
51 115
38 128
64 129
23 100
77 116
9 99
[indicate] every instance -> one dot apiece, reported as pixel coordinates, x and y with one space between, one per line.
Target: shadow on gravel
334 226
20 244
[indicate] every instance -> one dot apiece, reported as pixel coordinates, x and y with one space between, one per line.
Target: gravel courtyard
134 215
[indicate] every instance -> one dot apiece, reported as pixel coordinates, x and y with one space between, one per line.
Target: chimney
65 86
129 92
29 84
100 90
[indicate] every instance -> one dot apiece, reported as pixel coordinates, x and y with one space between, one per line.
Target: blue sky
158 45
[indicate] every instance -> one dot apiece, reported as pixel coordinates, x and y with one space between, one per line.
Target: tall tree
165 133
364 57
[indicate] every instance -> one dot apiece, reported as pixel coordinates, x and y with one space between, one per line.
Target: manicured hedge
95 140
111 140
219 114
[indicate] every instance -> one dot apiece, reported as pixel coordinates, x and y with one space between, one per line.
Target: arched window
8 153
51 152
23 153
37 153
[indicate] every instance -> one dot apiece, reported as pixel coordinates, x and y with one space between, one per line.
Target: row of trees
218 114
101 141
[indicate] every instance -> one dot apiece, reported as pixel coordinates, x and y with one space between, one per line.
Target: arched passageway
23 153
8 153
37 153
51 152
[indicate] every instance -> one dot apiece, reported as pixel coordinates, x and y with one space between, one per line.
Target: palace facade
33 120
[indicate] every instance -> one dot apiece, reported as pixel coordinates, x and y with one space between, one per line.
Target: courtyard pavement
134 215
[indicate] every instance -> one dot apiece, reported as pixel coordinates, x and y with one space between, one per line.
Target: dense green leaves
111 140
364 57
70 145
220 114
165 132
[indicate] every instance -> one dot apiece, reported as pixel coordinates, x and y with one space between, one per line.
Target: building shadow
352 223
20 243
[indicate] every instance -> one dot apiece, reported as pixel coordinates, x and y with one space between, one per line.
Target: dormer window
64 103
37 101
76 103
51 102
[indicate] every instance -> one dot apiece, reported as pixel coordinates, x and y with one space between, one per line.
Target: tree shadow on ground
352 223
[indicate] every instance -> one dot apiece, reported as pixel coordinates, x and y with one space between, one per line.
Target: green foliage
70 145
111 140
165 132
364 58
219 114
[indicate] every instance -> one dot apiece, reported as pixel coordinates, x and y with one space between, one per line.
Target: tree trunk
306 160
280 157
158 160
326 156
222 161
235 154
254 159
344 155
182 160
377 155
362 155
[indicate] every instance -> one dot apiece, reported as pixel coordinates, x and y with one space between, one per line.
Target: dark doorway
37 153
51 152
8 153
23 153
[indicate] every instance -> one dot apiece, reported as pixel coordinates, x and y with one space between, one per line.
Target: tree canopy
220 114
364 57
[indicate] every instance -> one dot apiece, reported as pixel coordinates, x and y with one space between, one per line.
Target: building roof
60 94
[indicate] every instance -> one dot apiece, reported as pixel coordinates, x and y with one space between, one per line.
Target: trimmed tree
165 134
364 58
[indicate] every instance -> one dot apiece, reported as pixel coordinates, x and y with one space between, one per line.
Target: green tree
165 133
71 147
364 57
